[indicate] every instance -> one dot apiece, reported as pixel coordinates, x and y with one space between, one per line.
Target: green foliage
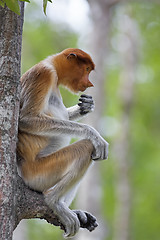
144 138
45 5
146 134
14 6
11 4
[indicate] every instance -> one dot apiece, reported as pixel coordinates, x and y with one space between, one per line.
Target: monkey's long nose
90 84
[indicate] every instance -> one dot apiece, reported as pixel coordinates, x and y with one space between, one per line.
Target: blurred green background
44 36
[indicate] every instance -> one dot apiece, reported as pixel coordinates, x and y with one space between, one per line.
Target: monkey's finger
92 226
72 225
85 106
88 101
86 96
90 217
92 222
86 109
81 216
84 112
95 156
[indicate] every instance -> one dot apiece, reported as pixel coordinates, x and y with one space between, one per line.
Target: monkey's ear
71 56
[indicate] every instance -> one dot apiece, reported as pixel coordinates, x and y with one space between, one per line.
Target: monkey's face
82 83
78 79
76 66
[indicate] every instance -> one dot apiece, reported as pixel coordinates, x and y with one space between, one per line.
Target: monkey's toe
91 222
87 220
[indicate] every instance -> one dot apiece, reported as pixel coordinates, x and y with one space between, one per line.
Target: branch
31 204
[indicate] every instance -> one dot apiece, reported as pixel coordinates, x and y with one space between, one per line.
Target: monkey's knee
82 161
85 147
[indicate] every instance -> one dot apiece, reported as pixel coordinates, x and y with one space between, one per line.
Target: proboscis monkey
50 164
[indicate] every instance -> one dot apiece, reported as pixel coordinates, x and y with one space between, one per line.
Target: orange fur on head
73 67
81 56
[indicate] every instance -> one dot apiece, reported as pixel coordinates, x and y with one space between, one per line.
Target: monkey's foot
69 223
87 220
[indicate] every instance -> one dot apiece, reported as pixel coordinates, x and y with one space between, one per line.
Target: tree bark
10 60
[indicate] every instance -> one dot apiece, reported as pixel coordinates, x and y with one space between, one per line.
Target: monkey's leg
74 160
87 220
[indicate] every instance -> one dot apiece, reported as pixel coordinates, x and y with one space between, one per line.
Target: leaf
25 1
45 5
13 5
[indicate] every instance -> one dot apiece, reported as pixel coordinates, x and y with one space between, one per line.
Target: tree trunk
128 50
10 59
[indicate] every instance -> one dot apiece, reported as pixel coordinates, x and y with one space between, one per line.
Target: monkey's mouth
83 88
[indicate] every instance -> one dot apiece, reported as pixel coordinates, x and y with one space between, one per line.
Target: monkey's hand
86 104
87 220
100 145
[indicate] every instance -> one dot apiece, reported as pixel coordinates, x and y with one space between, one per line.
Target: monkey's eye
87 69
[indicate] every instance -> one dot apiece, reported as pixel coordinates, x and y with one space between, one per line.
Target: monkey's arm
47 126
85 106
